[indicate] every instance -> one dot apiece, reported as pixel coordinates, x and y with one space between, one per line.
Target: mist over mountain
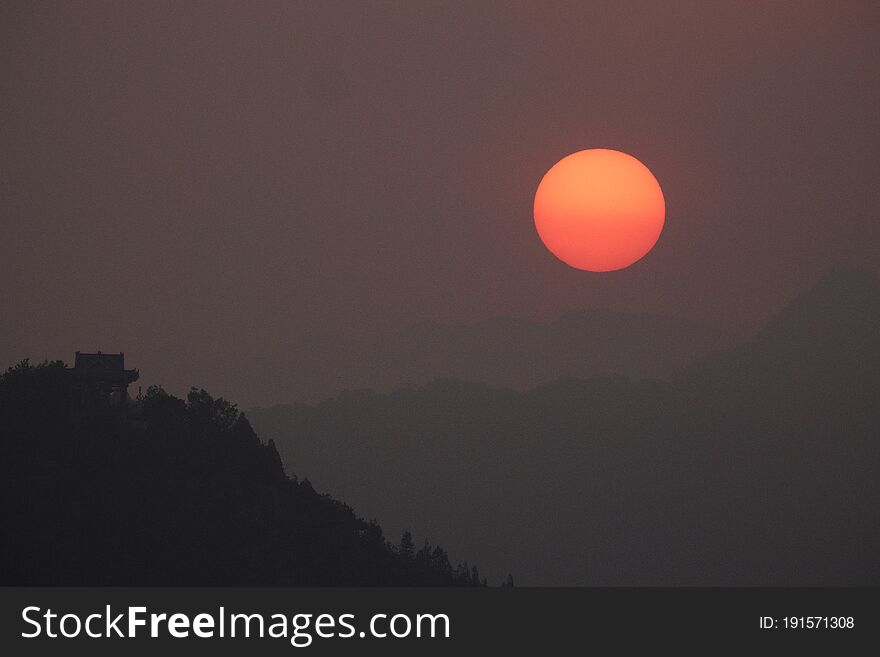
757 465
501 352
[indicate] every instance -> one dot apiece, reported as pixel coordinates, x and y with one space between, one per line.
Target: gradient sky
178 180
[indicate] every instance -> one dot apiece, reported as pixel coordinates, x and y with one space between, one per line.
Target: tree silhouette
407 547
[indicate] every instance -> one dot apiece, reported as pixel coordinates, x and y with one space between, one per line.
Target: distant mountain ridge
500 352
830 333
756 465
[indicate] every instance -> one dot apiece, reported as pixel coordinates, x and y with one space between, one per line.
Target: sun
599 210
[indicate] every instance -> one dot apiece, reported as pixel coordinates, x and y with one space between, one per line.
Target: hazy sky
191 178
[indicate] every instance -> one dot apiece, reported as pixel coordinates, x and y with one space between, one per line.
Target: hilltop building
101 379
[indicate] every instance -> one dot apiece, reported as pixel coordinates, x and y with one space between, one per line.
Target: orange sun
599 210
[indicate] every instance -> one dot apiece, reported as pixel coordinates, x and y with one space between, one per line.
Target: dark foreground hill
172 491
756 466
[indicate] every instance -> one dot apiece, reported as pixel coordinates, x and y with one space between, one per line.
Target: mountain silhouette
827 334
501 352
168 491
757 465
